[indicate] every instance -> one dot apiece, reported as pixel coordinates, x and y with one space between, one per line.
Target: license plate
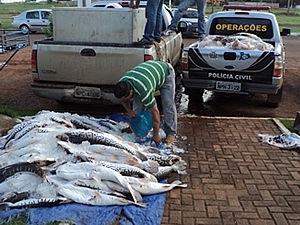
228 86
87 92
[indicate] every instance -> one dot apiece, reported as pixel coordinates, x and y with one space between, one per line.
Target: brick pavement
233 178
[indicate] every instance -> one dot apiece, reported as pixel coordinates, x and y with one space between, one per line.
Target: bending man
139 84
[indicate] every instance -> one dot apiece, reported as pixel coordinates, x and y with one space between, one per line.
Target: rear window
231 25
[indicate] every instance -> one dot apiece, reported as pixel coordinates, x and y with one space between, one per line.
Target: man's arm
155 123
127 106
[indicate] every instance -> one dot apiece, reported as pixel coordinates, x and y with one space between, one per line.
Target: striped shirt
145 79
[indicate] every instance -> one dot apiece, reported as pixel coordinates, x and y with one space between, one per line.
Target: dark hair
122 89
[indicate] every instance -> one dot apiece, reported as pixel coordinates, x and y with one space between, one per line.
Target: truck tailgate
235 65
77 64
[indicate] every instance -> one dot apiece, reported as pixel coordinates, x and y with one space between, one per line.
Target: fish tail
178 183
141 204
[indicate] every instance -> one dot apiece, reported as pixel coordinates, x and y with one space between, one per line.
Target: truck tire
195 95
274 99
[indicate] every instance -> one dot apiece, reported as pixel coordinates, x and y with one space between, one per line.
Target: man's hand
131 113
156 139
134 6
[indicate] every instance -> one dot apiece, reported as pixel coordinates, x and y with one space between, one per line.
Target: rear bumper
247 87
66 93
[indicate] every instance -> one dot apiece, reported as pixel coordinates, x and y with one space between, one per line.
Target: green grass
14 113
289 124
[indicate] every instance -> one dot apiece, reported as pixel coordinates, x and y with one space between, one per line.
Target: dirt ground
15 79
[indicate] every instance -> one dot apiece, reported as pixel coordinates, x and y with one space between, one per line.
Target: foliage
49 30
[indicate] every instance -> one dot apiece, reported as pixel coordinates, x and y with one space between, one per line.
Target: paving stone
233 178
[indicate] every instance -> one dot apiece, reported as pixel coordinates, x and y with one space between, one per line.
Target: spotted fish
10 170
89 196
78 136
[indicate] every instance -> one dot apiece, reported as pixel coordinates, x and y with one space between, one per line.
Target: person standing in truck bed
152 31
182 8
139 85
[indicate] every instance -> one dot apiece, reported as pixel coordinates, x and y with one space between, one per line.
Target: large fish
89 196
89 122
33 202
146 187
97 152
127 170
78 136
86 170
93 184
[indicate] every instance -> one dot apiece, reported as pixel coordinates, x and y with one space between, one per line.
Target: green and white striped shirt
146 78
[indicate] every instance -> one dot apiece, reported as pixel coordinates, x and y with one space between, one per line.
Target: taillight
148 57
184 60
34 61
278 66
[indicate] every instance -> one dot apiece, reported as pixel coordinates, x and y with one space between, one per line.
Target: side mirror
182 26
285 32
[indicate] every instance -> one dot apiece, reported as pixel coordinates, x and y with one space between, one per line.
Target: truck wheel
274 99
195 95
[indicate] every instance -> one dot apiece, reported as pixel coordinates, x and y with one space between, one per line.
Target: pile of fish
239 41
53 158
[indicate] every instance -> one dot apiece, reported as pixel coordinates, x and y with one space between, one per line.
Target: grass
14 113
289 124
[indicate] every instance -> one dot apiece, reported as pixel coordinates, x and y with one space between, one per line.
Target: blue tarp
95 215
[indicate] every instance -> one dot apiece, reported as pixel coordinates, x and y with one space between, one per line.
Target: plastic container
141 124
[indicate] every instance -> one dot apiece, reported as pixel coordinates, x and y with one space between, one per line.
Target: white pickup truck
243 53
90 50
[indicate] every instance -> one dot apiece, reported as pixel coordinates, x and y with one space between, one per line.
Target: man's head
122 89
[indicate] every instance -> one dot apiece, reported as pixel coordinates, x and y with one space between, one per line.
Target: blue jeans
167 94
182 8
154 20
